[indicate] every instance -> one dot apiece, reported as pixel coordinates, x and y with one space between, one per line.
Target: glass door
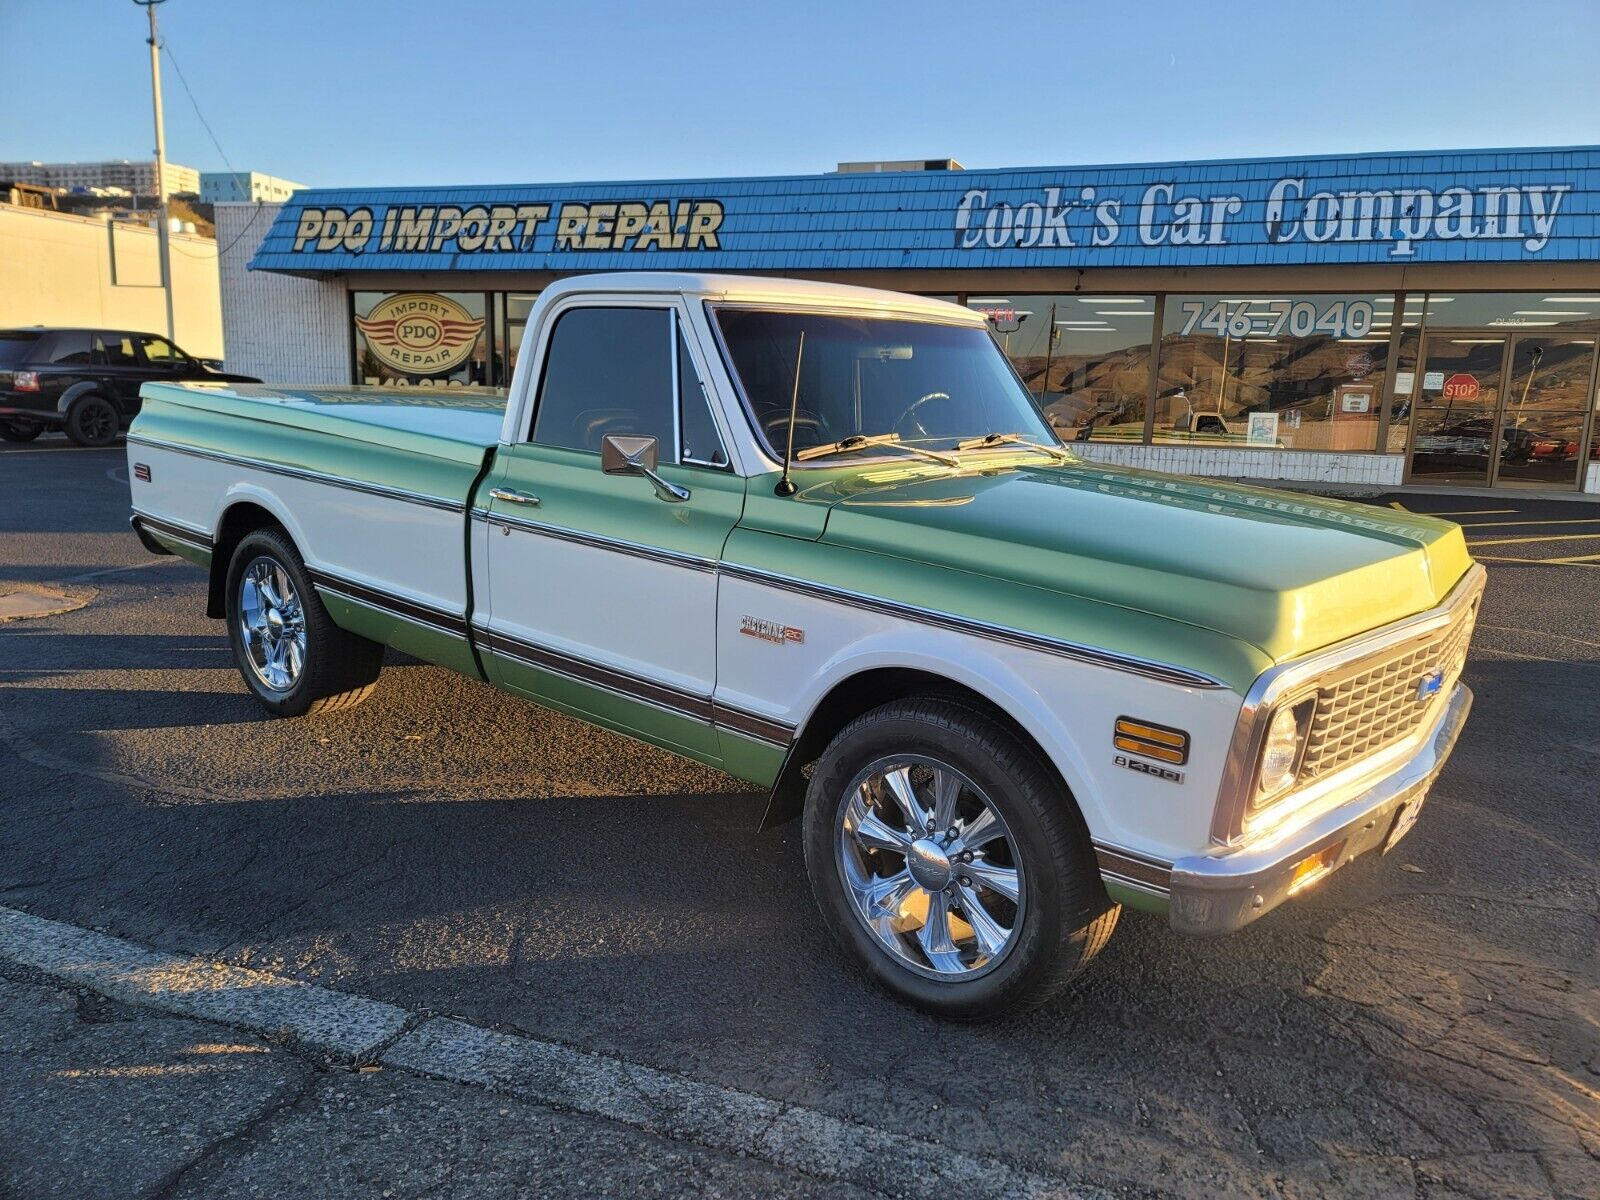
1458 408
1546 403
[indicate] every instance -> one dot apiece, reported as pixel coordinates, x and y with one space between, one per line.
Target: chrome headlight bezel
1286 729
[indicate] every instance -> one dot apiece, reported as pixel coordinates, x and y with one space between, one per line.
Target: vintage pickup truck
822 538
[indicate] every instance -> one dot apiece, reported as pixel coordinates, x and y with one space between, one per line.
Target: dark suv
85 380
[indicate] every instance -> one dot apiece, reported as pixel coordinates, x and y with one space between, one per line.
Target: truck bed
380 468
433 421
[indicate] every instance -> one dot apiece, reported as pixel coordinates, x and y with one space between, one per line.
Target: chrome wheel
932 871
272 624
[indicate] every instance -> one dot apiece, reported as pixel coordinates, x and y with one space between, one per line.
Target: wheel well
861 694
241 519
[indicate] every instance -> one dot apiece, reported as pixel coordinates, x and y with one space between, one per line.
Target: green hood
1283 572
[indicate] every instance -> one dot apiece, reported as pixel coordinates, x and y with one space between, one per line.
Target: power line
166 45
195 104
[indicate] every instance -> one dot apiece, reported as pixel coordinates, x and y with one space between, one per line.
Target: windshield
915 382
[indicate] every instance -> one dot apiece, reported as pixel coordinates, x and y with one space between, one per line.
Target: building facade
62 269
136 178
1371 319
245 187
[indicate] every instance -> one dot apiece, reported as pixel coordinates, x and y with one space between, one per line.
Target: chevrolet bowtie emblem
1429 685
770 631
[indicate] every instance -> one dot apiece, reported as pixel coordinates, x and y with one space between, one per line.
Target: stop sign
1461 387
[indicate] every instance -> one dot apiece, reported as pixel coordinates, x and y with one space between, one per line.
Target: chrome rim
931 869
272 624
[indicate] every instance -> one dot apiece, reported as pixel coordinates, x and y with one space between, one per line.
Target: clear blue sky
353 92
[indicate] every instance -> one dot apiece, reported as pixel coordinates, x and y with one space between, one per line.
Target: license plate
1403 821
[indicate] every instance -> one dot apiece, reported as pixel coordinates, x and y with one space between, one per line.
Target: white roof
763 289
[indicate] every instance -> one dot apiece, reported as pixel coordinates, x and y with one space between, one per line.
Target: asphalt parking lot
1422 1025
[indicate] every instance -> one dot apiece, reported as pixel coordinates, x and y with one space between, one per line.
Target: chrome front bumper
1212 894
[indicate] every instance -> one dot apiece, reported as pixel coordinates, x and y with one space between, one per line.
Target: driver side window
608 370
159 352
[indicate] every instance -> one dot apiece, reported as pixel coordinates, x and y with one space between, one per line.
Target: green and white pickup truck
822 538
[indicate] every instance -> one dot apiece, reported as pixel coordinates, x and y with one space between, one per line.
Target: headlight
1281 749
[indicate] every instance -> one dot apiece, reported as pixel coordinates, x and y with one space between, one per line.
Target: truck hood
1284 572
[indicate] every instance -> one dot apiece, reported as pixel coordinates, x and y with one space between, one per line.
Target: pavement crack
166 1187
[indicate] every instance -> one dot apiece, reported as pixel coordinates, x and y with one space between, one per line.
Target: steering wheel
776 427
910 414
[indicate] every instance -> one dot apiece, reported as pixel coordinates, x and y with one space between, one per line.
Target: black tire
19 431
92 421
338 668
1067 917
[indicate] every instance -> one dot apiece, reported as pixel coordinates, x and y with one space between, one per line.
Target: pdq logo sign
420 333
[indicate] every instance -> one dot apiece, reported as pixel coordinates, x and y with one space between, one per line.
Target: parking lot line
1553 521
1540 562
1522 541
1472 512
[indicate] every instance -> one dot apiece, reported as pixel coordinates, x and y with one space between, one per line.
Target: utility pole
164 227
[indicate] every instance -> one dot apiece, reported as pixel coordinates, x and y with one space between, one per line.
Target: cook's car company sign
1488 206
1165 215
420 333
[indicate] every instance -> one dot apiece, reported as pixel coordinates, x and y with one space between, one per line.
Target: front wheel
293 658
950 862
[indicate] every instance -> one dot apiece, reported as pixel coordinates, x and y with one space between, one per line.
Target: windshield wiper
1013 439
858 441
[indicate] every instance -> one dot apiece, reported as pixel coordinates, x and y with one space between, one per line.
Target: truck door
603 588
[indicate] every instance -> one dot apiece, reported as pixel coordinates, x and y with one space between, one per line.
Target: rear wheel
950 862
292 656
19 431
92 421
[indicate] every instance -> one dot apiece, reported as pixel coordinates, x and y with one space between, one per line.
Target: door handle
512 497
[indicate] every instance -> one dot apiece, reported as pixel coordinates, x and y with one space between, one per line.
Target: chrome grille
1380 703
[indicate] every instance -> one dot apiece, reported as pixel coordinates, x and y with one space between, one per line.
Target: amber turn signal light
1160 742
1314 866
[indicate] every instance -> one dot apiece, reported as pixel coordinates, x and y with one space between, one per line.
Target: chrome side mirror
621 454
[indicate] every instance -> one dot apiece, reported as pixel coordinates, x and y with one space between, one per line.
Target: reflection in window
1512 311
698 439
1294 372
1087 358
608 371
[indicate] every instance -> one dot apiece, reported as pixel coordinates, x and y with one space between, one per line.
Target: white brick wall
1306 466
280 328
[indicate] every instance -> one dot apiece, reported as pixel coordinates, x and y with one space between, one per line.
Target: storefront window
1086 358
1286 372
1405 390
513 309
1491 322
1512 310
422 339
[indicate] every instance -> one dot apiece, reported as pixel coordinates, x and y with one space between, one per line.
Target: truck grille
1382 702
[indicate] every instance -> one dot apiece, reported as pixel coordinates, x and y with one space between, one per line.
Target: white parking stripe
329 1022
355 1028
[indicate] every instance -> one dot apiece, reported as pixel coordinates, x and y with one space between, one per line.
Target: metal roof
1528 205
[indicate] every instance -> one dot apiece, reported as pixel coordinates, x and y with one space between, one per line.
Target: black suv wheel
92 421
19 431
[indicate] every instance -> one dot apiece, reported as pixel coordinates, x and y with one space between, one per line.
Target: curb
358 1030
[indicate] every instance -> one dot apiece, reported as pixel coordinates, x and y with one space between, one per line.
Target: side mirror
622 454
